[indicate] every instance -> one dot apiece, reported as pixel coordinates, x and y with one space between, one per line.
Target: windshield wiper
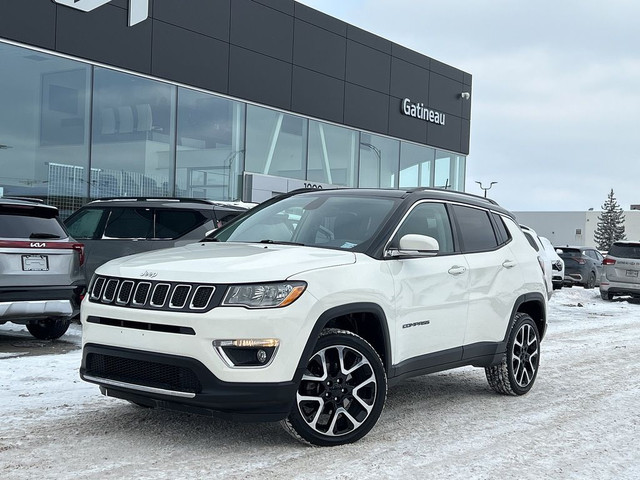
44 235
278 242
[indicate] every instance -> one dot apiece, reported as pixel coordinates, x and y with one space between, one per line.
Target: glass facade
71 131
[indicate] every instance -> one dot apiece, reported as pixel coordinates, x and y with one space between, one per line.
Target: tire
517 372
606 296
591 282
48 329
342 392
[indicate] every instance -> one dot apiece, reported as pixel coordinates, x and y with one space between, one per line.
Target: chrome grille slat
141 293
179 296
124 292
96 291
110 290
201 297
159 295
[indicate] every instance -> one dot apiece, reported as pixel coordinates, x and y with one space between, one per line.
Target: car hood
225 263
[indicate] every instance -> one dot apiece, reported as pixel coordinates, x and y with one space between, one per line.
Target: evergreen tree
610 224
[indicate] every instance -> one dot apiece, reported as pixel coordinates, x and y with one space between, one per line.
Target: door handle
457 270
509 264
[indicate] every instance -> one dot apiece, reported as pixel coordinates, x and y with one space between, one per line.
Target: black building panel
409 81
319 50
190 58
368 67
444 94
447 71
364 108
322 20
38 17
285 6
369 39
465 128
402 126
317 95
104 36
445 136
212 17
411 56
259 78
262 29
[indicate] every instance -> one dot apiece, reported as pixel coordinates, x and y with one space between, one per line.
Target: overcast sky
555 109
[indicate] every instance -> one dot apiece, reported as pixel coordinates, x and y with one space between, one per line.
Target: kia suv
621 269
308 306
41 281
582 266
114 227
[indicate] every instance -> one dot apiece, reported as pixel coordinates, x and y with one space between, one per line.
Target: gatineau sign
418 110
138 9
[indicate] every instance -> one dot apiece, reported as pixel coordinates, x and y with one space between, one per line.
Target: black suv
582 266
41 281
115 227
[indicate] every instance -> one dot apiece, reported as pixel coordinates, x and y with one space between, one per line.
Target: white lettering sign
418 110
138 9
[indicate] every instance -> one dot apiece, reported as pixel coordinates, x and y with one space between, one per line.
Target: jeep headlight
264 295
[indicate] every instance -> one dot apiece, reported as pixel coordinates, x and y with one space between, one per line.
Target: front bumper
182 383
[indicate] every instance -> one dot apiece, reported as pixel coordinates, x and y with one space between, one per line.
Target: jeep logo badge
148 274
138 9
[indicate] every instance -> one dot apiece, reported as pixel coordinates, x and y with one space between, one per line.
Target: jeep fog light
247 352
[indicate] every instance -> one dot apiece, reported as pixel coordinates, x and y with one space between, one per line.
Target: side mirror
413 245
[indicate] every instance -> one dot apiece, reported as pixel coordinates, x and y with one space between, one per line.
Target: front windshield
338 221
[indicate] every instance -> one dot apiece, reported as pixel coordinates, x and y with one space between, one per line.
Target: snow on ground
580 421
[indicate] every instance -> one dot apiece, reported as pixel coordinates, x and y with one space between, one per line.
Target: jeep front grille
152 295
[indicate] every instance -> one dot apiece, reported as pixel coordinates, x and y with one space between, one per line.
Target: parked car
621 270
114 227
543 258
557 264
304 308
582 266
41 281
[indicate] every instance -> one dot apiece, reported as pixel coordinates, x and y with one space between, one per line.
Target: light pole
486 188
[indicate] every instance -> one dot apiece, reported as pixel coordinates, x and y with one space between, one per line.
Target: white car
543 257
307 307
557 264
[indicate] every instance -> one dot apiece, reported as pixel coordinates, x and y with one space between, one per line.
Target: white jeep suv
305 308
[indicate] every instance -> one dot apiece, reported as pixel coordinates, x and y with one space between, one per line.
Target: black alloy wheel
342 393
517 372
591 281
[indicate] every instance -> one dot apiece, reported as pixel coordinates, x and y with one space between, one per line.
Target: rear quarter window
173 223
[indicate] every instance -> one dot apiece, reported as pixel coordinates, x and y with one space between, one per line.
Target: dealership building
217 99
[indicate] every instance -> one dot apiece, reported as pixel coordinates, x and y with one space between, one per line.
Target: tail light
581 261
608 261
79 247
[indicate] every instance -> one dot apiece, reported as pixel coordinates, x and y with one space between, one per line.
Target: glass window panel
276 143
87 223
210 148
459 176
44 127
443 168
130 223
175 223
416 165
476 231
332 154
378 161
429 219
132 125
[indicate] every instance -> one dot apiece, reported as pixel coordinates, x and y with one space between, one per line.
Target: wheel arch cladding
533 304
366 320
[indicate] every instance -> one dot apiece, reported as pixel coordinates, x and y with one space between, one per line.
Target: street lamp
486 188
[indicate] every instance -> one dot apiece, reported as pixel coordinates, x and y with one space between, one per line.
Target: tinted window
18 226
476 231
87 223
129 223
531 241
175 223
503 233
429 219
630 250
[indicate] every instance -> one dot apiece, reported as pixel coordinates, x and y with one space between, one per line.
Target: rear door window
173 223
475 228
129 223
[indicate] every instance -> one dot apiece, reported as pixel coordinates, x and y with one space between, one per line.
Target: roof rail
472 195
26 199
159 199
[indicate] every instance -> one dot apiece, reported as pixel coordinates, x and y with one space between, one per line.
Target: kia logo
38 245
138 9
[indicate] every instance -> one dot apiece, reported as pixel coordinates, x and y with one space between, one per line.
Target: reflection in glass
276 143
131 145
415 165
210 149
44 145
378 161
332 154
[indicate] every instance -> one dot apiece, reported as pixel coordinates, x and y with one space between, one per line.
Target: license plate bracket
35 263
632 273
